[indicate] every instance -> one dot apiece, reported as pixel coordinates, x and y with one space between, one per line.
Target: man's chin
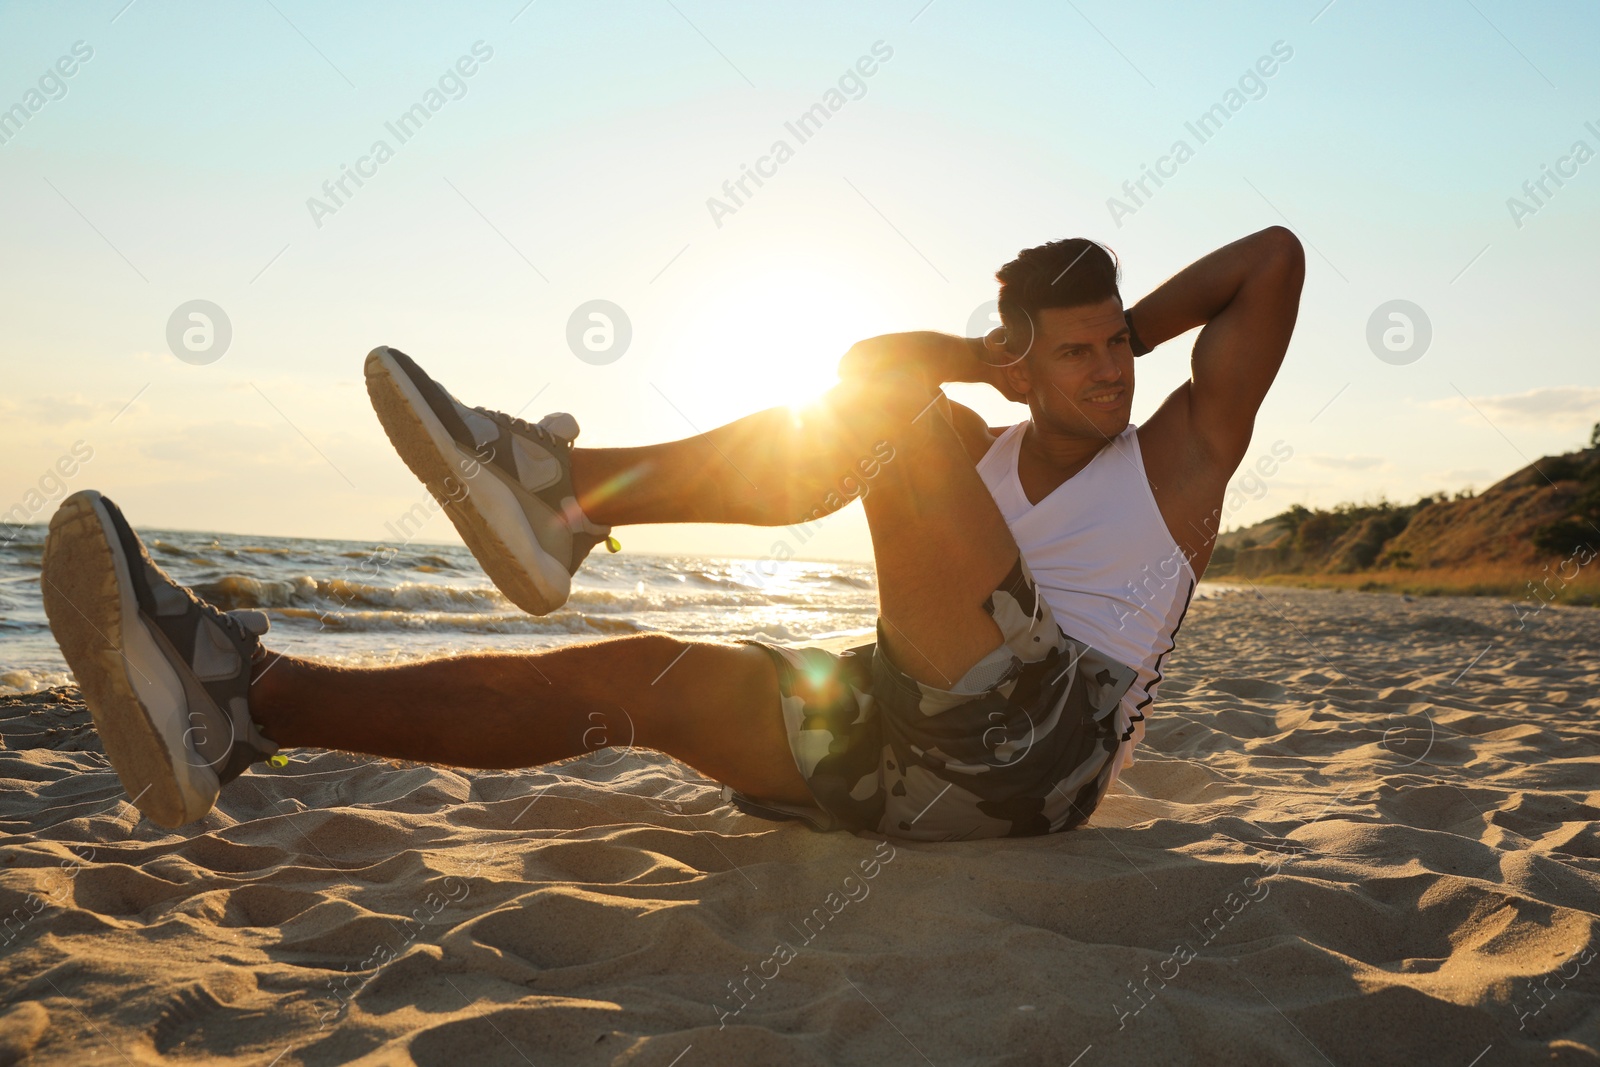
1111 423
1101 426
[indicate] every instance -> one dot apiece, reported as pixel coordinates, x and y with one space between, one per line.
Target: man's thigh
717 708
940 543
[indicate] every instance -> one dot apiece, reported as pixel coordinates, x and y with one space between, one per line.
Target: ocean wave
337 594
646 599
21 680
360 599
342 594
385 556
562 622
712 578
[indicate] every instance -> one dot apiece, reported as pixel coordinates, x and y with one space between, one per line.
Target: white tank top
1103 559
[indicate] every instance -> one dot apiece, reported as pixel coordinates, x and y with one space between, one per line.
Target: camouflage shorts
1023 744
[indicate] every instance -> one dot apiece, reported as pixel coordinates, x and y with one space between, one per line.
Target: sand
1336 848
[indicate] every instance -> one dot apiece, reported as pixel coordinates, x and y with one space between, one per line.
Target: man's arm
937 358
1246 295
932 360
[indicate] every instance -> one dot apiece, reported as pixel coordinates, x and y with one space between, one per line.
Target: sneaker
166 675
522 521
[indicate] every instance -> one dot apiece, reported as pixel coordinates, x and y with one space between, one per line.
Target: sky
584 157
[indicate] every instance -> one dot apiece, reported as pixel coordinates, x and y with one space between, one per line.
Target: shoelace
229 623
553 442
543 435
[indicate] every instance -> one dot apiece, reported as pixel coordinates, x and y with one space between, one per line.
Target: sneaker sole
423 443
89 600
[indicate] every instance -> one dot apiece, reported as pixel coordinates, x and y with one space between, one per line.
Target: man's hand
991 352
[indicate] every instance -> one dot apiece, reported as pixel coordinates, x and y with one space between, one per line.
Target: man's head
1063 340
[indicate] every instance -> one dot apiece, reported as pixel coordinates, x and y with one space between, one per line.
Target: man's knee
705 689
675 665
888 400
903 407
658 652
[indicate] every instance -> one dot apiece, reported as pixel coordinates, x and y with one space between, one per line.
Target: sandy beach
1361 830
417 351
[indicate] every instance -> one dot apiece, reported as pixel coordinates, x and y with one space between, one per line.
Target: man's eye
1119 340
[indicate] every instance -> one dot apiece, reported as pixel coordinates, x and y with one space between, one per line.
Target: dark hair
1061 274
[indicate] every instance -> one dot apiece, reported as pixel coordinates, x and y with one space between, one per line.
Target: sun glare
774 336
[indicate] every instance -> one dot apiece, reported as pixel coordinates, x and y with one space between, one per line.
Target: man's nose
1105 366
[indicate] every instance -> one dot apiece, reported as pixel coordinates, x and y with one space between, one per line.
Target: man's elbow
890 354
864 359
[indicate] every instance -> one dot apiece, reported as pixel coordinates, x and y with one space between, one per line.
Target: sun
772 335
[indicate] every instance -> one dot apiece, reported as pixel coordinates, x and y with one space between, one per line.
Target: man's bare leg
771 468
940 542
942 547
783 465
713 706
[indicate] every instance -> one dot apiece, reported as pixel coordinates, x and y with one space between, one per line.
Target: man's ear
1016 373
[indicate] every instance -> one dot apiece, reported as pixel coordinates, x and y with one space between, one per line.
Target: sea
366 603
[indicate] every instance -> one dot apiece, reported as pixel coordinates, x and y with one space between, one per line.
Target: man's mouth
1105 399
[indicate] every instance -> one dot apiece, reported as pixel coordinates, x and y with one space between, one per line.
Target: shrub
1560 468
1564 537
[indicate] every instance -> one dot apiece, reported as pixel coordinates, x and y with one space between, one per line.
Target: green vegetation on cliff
1537 530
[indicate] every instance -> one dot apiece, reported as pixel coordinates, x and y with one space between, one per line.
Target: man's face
1077 376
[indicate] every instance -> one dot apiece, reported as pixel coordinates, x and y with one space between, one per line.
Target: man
1031 580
